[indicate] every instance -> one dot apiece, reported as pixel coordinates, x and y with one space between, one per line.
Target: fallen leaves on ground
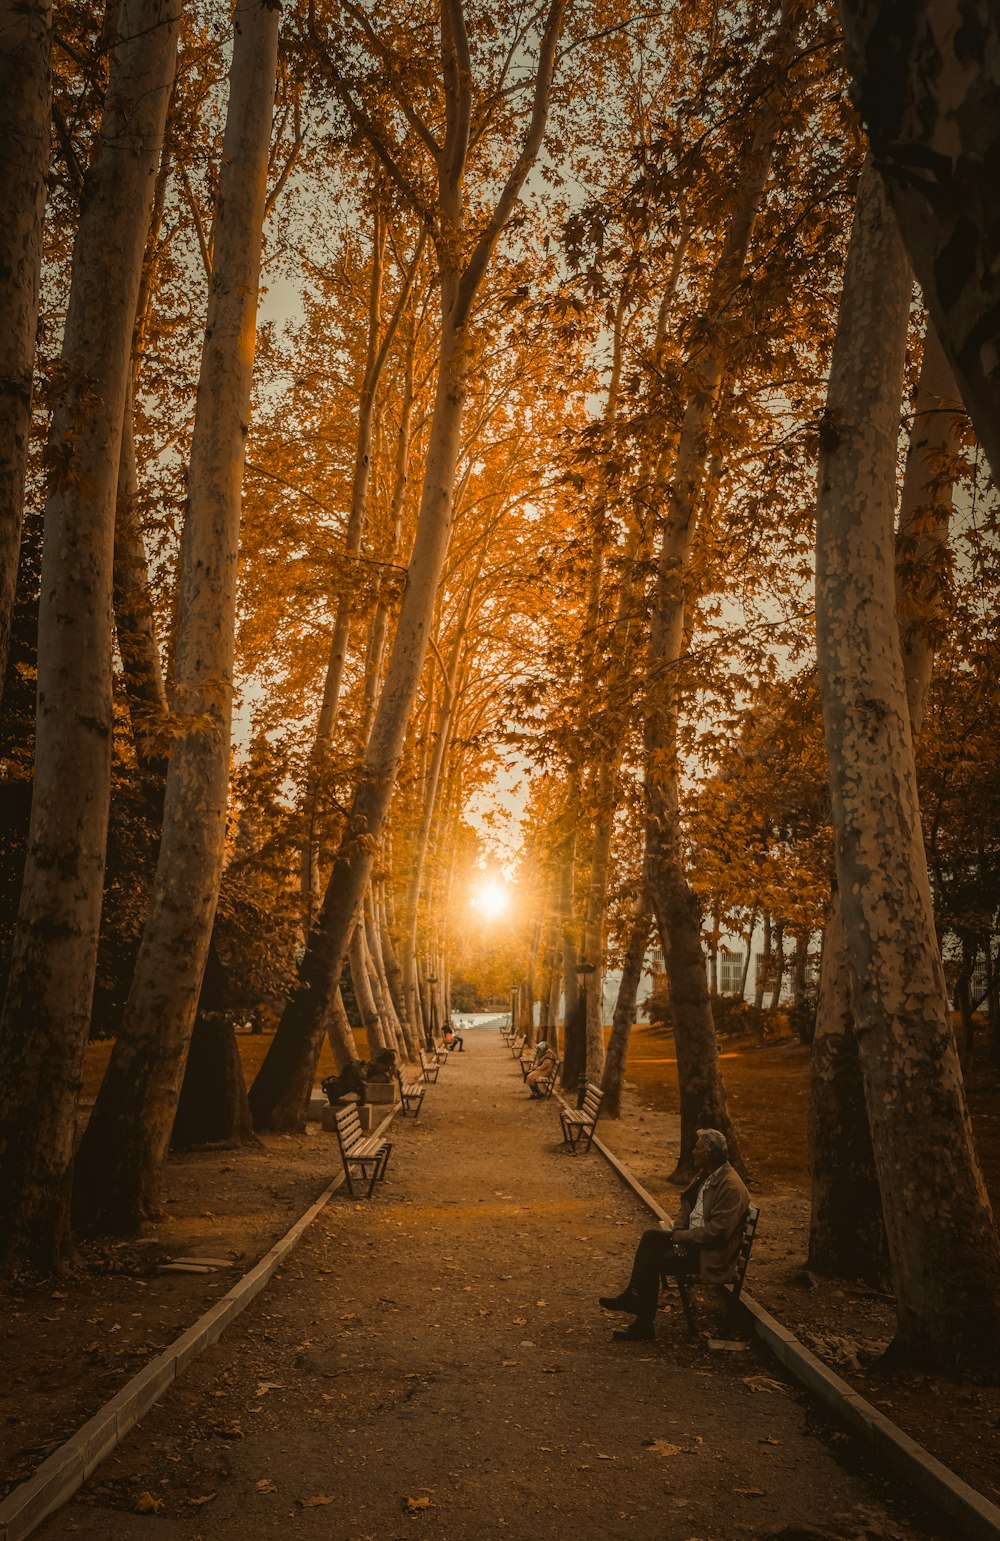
317 1501
147 1504
265 1485
206 1498
414 1505
228 1430
762 1383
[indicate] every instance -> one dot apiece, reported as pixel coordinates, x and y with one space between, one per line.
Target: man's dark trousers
655 1256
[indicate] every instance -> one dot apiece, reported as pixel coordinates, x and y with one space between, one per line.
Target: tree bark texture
134 621
847 1233
25 136
927 83
922 550
46 1013
846 1229
212 1106
943 1246
624 1014
122 1153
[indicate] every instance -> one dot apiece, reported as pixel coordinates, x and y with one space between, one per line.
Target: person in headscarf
545 1063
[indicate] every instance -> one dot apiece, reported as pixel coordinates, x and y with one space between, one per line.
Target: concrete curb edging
69 1467
975 1516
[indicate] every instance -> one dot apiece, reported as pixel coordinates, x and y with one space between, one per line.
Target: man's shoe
623 1302
637 1333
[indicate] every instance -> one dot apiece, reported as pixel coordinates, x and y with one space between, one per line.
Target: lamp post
432 1014
583 971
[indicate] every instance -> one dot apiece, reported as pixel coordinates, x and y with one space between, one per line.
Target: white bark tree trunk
943 1246
926 76
126 1140
25 134
46 1013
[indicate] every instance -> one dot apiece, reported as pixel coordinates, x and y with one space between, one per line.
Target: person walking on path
703 1241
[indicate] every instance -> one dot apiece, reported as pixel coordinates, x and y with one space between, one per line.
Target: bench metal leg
686 1303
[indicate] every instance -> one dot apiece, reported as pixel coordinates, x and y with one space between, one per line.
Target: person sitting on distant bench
453 1040
539 1073
703 1242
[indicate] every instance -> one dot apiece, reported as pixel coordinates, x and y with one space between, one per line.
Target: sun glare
491 899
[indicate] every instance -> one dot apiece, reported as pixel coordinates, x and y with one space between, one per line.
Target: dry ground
387 1362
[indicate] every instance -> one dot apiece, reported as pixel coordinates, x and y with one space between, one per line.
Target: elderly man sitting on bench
702 1243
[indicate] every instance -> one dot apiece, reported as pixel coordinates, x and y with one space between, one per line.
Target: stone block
380 1093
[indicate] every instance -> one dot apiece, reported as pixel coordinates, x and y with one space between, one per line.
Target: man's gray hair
715 1140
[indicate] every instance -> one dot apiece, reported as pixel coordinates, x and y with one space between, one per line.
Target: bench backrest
592 1099
427 1059
746 1241
349 1131
550 1079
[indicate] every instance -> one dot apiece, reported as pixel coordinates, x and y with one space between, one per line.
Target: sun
491 899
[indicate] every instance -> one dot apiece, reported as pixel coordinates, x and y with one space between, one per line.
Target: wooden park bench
735 1288
441 1050
579 1123
507 1033
430 1065
364 1156
411 1095
516 1045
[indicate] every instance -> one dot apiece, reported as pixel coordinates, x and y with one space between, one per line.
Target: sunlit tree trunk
943 1246
624 1015
46 1012
925 78
370 1020
25 130
122 1153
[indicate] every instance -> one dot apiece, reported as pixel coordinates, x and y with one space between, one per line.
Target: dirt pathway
435 1363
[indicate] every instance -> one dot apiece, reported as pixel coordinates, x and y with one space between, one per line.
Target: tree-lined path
434 1363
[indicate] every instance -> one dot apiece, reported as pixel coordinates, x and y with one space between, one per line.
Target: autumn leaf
206 1498
265 1485
318 1501
663 1447
147 1504
229 1430
414 1505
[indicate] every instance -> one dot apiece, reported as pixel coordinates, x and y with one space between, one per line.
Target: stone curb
973 1514
68 1468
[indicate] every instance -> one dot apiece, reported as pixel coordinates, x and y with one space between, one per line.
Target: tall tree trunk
121 1156
212 1106
46 1012
624 1016
925 78
944 1251
763 965
846 1231
377 355
748 955
134 622
279 1096
778 964
702 1094
846 1224
25 134
357 957
922 548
